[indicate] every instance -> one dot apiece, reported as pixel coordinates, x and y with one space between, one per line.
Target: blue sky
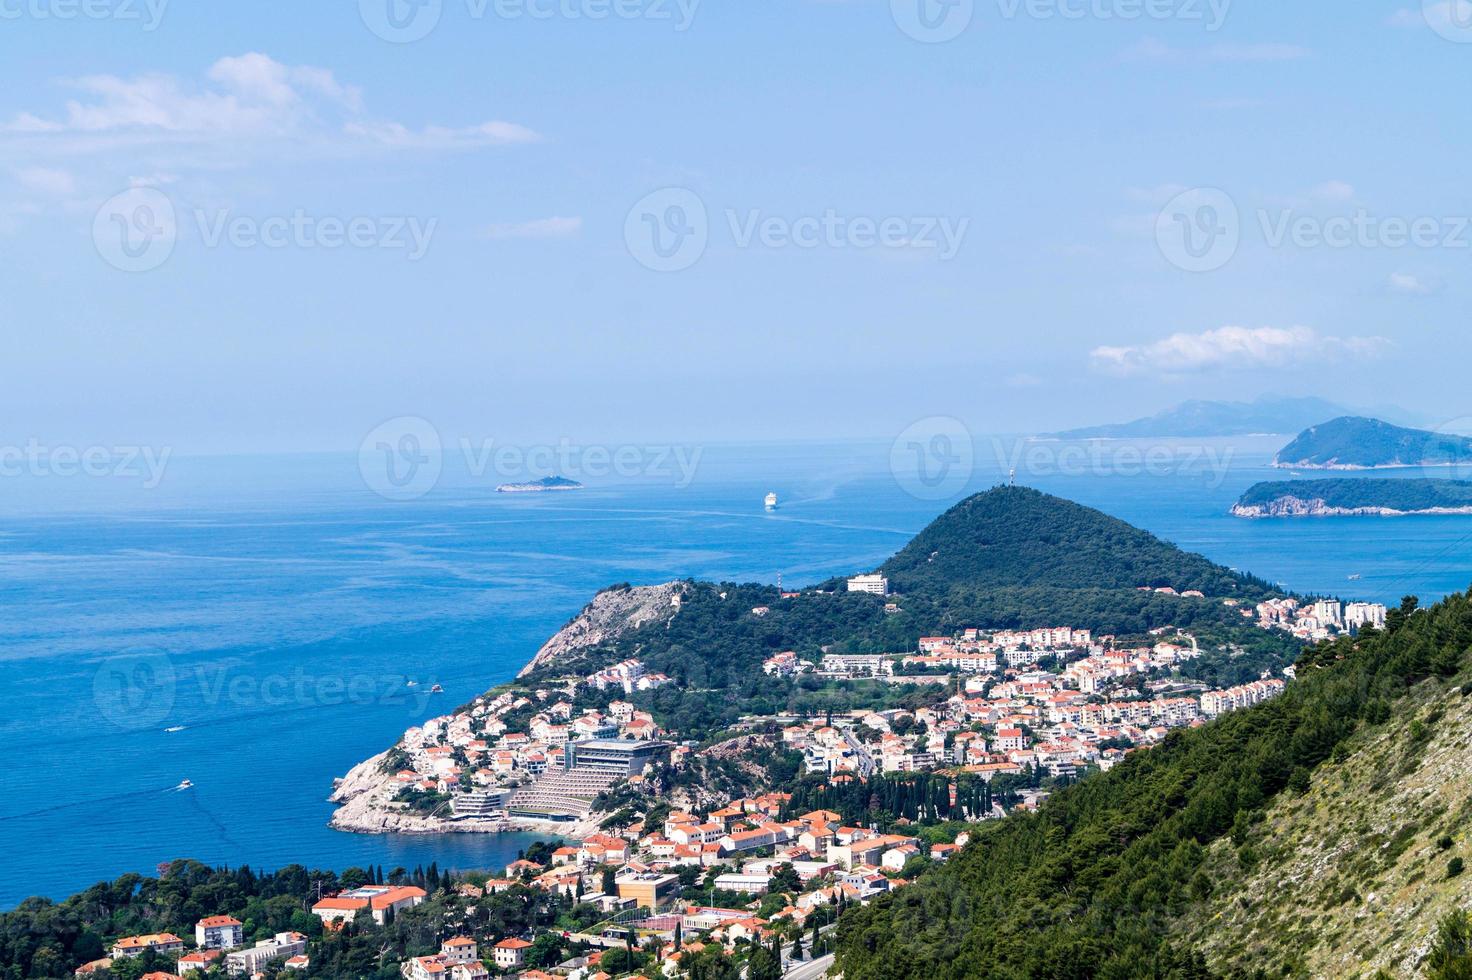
1025 177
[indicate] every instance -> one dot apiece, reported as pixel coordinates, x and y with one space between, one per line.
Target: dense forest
1092 884
1394 494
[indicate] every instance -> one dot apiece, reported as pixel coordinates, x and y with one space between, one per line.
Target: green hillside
1351 441
1110 878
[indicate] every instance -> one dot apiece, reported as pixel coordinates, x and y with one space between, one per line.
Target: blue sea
250 623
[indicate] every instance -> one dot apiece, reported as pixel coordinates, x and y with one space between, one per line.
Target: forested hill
1351 442
1016 536
1110 878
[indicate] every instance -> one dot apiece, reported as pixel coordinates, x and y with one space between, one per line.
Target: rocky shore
1315 507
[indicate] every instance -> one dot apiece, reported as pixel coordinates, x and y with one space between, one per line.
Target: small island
1355 498
544 485
1353 443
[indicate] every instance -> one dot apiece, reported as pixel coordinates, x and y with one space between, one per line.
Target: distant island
543 485
1214 418
1357 443
1356 498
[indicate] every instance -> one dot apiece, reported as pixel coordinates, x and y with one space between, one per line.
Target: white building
249 961
219 932
873 584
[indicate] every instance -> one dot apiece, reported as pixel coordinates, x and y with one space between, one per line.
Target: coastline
1298 507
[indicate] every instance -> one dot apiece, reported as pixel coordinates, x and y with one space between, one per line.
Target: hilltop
1015 536
1131 873
1355 497
1353 443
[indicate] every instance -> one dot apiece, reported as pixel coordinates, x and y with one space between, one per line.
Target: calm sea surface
272 610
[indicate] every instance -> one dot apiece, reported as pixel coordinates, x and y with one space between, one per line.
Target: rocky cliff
612 613
1291 506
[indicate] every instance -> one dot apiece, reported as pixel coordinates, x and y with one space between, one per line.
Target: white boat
771 501
175 728
184 785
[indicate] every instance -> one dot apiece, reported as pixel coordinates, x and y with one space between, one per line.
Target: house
219 932
460 949
474 970
162 942
200 960
510 954
300 961
425 968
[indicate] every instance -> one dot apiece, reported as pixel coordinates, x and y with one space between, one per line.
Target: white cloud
1232 348
43 180
541 228
442 137
240 102
1334 190
1405 282
1154 49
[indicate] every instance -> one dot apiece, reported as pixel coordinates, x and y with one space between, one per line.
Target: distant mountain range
1356 443
1215 418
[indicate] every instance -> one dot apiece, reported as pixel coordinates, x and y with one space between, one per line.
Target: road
809 969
